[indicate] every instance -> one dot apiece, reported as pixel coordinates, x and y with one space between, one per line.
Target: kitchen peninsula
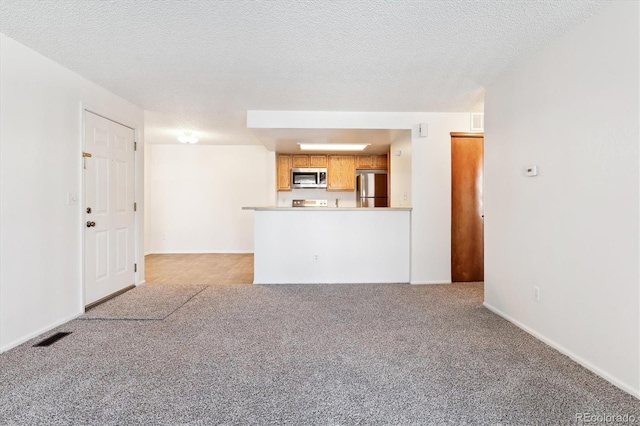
331 245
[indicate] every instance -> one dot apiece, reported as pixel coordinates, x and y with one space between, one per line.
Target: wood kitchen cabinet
371 162
379 161
314 161
317 161
299 161
283 164
364 162
341 173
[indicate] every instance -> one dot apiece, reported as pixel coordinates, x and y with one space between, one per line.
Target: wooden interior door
467 213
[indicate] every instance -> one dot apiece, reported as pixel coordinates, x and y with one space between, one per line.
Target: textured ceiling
203 64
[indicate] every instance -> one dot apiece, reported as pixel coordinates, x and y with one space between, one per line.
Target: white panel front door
108 202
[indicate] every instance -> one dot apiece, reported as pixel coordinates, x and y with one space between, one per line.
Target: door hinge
135 207
135 267
135 146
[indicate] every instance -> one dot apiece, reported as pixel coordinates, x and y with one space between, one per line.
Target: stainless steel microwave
308 178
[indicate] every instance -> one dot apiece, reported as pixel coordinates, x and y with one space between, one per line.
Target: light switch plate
531 171
424 130
477 122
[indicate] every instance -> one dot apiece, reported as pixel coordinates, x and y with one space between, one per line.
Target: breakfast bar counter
304 209
315 245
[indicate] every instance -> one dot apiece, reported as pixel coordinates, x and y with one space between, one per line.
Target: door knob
90 224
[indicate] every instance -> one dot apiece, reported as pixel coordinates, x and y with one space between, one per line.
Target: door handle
90 224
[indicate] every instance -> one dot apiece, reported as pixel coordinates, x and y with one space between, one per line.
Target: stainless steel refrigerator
371 188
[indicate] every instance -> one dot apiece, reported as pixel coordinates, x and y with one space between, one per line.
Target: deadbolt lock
88 209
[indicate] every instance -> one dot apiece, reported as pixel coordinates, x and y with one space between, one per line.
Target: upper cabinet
341 173
380 162
284 172
371 162
364 162
314 161
341 169
299 161
317 161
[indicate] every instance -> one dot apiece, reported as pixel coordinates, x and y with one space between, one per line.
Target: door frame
138 181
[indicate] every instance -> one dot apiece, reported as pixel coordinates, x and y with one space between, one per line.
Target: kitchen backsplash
345 199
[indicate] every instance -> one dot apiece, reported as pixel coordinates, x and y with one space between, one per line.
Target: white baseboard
37 333
567 352
429 282
141 282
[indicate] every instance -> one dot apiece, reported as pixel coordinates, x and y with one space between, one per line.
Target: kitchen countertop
342 209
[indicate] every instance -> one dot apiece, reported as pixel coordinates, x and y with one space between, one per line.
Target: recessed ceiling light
187 137
333 146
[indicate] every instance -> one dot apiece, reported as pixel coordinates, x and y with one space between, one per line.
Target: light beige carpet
368 354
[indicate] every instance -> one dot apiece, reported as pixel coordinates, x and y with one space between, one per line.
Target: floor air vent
51 340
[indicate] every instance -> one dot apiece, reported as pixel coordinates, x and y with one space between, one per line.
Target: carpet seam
185 302
147 319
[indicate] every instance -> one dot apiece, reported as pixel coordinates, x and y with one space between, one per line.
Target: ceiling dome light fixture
187 137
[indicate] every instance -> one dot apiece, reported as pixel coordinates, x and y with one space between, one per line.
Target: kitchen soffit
286 140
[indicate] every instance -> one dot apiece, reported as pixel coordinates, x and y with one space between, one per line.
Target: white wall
40 162
400 170
196 194
573 230
431 198
147 191
430 190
